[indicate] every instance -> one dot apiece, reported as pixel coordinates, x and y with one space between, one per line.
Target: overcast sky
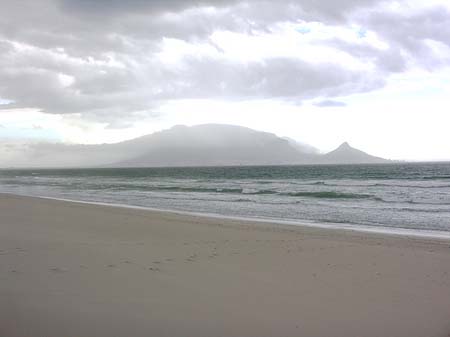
370 72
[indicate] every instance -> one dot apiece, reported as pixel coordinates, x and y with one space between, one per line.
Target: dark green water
413 196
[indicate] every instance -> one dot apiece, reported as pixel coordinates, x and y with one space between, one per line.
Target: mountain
201 145
345 154
302 147
214 145
228 145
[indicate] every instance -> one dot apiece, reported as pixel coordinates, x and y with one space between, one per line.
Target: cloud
330 103
103 59
414 33
280 78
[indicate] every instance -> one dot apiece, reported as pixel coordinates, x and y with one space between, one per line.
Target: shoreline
80 270
381 230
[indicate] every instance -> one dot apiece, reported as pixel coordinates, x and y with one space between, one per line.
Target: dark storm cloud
98 57
93 26
323 8
121 7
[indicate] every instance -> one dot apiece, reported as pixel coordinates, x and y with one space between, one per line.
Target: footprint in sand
111 266
153 269
58 270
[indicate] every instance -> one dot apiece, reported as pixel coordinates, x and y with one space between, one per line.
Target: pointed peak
344 145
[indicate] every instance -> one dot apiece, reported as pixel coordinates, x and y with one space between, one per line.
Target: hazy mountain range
201 145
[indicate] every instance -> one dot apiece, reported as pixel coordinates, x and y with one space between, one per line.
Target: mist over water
413 196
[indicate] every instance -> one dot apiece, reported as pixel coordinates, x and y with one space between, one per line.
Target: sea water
410 196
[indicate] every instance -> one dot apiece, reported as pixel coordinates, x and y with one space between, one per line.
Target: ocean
413 197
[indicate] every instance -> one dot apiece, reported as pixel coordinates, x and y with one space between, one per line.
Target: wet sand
71 269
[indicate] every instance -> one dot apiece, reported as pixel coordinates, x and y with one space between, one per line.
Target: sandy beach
71 269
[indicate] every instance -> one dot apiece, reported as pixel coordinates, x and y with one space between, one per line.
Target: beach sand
70 269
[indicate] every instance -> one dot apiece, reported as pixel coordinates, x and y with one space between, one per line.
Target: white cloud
109 70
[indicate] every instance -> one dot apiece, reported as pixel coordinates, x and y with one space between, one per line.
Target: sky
371 72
